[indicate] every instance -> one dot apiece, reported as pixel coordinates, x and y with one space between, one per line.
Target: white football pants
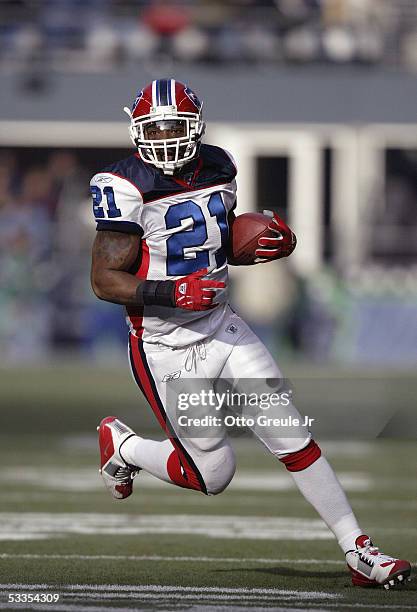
203 457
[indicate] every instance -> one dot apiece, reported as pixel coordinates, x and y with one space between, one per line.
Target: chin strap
168 171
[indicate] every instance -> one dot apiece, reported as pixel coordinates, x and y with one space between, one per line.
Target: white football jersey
183 224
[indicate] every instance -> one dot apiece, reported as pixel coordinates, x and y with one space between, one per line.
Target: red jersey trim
136 321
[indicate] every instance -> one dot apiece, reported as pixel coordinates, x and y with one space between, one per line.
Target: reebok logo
171 376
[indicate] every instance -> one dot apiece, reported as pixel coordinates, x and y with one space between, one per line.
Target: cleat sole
399 579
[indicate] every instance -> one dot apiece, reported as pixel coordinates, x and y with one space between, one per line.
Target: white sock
150 455
346 532
320 486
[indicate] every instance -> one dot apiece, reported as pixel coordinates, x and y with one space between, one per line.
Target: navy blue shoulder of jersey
135 171
212 167
216 166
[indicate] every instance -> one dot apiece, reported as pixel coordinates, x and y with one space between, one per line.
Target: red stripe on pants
178 459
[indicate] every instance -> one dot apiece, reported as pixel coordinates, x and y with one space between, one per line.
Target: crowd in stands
43 282
100 35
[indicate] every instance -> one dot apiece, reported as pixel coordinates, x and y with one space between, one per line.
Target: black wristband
156 293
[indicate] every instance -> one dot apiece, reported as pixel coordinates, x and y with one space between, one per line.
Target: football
245 233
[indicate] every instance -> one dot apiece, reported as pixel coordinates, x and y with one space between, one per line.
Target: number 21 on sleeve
98 210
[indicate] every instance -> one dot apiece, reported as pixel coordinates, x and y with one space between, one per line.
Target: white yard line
189 597
35 525
350 606
79 593
336 448
321 607
171 589
88 480
76 607
192 608
146 593
177 500
184 559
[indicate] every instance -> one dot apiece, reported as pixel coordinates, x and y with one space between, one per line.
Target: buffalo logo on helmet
192 96
138 98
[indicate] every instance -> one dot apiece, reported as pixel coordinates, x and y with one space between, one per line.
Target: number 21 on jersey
183 242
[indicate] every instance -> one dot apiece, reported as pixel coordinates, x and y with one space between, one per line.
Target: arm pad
156 293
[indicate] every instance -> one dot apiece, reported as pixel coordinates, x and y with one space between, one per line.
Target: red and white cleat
117 474
371 568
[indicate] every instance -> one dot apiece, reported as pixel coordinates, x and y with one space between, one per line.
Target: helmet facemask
171 153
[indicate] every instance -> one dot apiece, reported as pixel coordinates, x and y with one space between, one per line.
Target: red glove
193 292
281 245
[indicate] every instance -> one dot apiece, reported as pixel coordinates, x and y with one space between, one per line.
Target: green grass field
257 545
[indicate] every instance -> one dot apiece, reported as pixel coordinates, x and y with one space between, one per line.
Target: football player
161 250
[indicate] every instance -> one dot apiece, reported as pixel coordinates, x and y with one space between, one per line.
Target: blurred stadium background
316 100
